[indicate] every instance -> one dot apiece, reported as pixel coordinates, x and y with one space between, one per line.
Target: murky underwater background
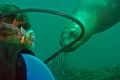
101 51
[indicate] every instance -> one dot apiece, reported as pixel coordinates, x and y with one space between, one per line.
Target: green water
102 50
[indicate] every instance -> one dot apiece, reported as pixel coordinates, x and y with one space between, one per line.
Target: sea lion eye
72 33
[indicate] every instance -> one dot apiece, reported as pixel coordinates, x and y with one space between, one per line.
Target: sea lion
96 16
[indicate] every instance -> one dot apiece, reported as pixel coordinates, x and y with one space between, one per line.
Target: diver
15 38
16 41
96 16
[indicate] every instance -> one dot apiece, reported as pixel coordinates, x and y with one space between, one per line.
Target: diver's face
11 35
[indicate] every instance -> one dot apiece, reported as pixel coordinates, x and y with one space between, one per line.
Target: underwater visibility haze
96 56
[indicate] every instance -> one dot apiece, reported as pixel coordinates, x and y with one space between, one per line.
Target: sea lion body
96 16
